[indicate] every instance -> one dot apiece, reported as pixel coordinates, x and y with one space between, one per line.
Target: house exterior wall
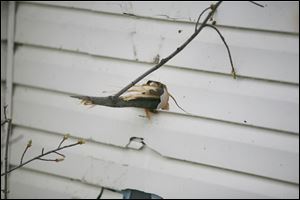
239 140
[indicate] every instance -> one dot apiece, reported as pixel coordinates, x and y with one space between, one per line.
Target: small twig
51 160
4 122
165 60
39 157
5 110
198 20
233 73
23 155
177 104
6 165
5 116
61 142
27 147
255 3
60 154
66 136
101 192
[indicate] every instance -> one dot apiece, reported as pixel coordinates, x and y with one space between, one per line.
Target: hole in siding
136 143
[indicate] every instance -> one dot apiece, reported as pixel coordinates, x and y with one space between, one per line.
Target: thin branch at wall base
7 121
9 88
43 154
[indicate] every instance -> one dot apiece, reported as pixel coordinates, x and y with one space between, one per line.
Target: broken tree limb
213 8
148 103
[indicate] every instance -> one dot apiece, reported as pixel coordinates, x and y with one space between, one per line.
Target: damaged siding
241 139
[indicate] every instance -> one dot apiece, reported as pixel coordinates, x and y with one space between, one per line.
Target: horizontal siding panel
26 184
119 168
245 101
134 39
276 16
208 142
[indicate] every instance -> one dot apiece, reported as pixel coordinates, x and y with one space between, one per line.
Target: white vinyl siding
239 140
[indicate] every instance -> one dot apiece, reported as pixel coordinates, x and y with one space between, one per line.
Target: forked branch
43 154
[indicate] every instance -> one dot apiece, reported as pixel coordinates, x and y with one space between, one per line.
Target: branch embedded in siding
152 103
146 98
213 8
151 96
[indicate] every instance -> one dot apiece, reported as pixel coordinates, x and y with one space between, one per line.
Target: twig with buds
40 157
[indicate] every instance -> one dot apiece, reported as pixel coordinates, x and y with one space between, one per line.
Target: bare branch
60 154
165 60
39 157
117 101
5 110
6 166
64 138
27 147
177 104
5 115
255 3
198 20
233 73
51 160
101 192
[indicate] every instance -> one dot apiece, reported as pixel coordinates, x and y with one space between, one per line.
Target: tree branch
227 47
27 147
116 101
255 3
6 166
165 60
5 116
39 157
198 20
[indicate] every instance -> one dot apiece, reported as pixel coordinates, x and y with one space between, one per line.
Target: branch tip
29 144
212 6
233 74
81 141
59 159
66 136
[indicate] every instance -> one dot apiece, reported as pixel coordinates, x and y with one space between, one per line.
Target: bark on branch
118 102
